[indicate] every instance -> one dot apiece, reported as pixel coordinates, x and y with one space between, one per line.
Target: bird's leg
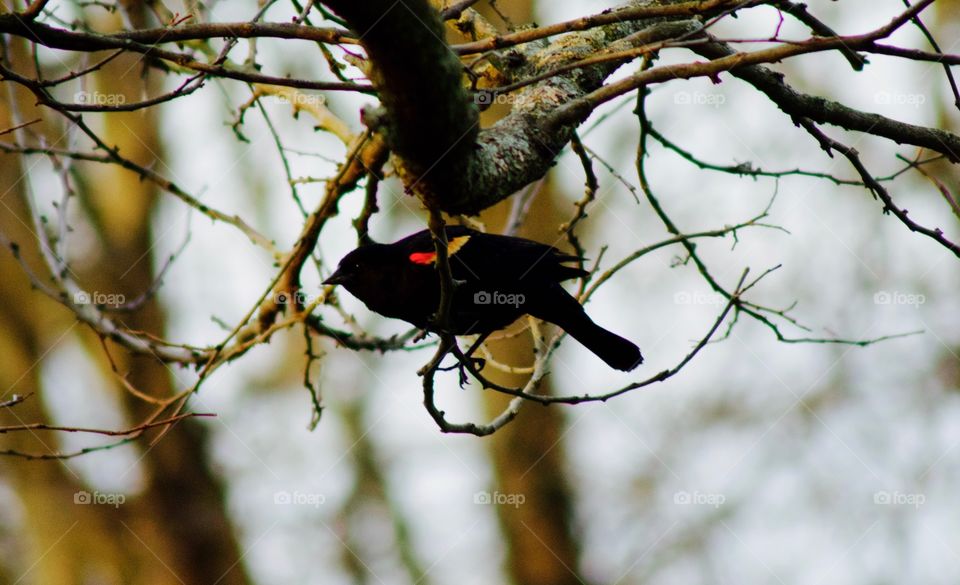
477 363
471 363
465 360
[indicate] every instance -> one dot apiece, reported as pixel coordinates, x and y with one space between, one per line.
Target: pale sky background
783 487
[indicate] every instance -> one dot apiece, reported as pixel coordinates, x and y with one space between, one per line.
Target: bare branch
106 432
623 14
868 179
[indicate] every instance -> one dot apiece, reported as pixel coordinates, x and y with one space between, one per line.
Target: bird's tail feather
617 352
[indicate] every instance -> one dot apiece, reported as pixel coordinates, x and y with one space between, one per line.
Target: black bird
497 280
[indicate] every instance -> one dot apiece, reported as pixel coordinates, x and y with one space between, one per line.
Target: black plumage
497 280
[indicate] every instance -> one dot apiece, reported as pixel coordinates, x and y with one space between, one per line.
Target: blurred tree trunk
945 28
57 538
176 530
528 454
372 497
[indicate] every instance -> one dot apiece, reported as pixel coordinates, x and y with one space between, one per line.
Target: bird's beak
335 278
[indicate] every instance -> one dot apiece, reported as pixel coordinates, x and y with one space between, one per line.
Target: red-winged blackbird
497 279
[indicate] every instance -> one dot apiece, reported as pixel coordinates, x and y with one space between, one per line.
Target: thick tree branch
824 111
747 66
433 126
144 42
644 11
60 38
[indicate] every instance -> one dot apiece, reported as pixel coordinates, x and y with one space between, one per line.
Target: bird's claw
476 363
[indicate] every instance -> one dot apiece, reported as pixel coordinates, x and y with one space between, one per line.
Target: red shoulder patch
453 246
423 257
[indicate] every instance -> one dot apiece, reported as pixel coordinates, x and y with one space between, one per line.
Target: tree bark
431 123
